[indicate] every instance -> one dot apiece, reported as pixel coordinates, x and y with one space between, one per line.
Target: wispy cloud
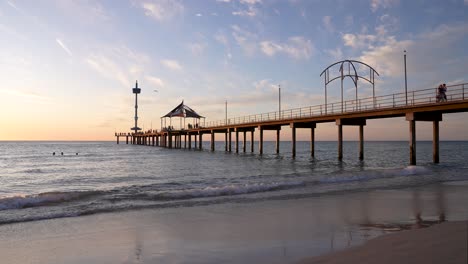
245 39
63 46
196 48
171 64
327 23
10 3
296 47
28 95
376 4
155 81
161 9
336 54
119 63
387 52
249 8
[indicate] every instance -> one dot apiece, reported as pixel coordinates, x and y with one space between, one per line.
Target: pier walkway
418 105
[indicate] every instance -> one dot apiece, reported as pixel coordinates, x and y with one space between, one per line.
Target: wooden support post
195 139
312 142
361 142
226 141
252 141
126 139
170 140
185 141
229 140
412 141
200 140
277 141
117 140
212 140
435 141
237 141
189 141
244 142
260 141
293 139
340 142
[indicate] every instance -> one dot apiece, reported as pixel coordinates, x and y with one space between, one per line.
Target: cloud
388 52
336 54
249 8
119 63
376 4
251 2
221 38
251 11
64 47
108 68
28 95
196 48
466 2
161 9
296 47
245 39
171 64
13 5
328 24
265 84
155 81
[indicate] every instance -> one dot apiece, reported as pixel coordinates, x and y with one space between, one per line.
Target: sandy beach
440 243
271 231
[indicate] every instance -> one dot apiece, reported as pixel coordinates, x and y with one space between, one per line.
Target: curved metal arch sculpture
353 75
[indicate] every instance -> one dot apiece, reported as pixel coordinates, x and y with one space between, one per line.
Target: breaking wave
47 198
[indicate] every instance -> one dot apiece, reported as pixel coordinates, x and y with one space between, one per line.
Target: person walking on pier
441 93
444 91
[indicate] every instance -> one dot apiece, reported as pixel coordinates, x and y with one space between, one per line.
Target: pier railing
416 97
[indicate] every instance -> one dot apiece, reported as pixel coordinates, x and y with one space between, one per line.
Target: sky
67 67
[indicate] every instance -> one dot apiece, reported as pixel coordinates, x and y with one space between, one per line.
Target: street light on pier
225 111
406 80
279 101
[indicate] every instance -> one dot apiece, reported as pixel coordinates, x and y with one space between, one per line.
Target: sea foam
24 201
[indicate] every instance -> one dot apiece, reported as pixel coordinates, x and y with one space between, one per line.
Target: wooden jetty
418 105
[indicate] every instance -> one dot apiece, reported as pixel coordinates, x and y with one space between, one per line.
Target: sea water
96 177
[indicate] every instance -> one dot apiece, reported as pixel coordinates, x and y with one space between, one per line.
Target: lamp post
225 111
406 81
279 101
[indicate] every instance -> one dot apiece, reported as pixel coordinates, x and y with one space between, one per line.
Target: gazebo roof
183 110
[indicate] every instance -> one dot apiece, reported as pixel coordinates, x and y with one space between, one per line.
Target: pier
415 106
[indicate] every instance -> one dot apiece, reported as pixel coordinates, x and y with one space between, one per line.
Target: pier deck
419 105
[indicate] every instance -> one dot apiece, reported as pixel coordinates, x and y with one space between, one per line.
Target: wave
232 189
371 175
42 199
33 171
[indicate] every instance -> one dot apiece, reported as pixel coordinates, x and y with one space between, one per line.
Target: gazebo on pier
182 112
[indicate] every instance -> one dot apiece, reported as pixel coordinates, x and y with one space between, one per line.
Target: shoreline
446 242
270 231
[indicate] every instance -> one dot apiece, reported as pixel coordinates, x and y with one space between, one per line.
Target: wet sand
440 243
272 231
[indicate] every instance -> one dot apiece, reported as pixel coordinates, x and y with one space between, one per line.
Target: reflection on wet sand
419 222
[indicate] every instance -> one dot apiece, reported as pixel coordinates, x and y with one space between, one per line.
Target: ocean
97 177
